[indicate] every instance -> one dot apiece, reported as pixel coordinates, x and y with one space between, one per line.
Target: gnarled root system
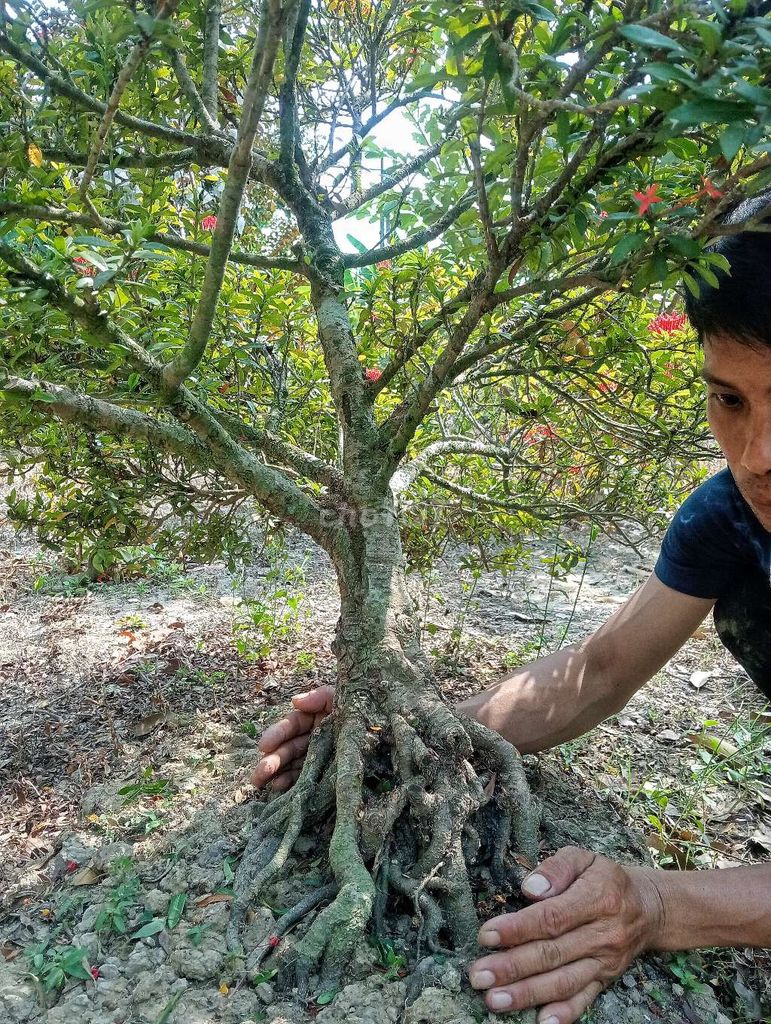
419 795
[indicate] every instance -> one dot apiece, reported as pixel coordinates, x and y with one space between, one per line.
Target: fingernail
536 885
489 938
483 979
549 1020
499 1001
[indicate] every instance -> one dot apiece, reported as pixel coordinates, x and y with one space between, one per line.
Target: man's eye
727 400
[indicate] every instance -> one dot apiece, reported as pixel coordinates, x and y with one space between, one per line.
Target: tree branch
211 45
274 489
406 475
138 53
78 407
419 239
116 227
358 199
266 48
188 87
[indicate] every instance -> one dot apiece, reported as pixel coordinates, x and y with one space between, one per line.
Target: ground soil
140 687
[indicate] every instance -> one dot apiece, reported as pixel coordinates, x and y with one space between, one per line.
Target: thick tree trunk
422 798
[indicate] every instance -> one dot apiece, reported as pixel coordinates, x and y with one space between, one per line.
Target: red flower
666 323
373 374
711 190
603 214
647 198
383 264
84 267
273 941
606 386
72 865
575 470
209 223
542 432
94 973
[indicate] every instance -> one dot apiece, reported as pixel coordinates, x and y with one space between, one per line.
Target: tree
576 159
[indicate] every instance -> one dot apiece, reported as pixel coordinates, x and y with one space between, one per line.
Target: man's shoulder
717 500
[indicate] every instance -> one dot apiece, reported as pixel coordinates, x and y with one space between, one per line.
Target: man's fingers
286 780
537 957
271 764
571 1009
318 701
556 874
295 724
546 920
561 985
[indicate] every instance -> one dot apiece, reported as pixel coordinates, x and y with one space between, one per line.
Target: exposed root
420 795
288 920
276 833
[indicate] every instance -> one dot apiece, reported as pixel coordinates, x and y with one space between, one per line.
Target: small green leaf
707 111
731 140
151 928
626 246
650 38
326 997
176 908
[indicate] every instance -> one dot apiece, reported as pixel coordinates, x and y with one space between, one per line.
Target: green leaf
731 140
684 246
707 111
326 997
668 73
626 246
648 37
176 907
358 246
92 240
151 928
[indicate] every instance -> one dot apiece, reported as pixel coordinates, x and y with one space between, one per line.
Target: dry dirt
140 686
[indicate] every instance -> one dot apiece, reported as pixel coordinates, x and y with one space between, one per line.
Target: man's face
739 410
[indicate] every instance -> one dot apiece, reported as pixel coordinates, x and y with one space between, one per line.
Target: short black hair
740 308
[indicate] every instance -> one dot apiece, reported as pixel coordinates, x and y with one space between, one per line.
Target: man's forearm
547 702
723 907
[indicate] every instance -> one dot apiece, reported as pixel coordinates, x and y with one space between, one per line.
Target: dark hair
741 307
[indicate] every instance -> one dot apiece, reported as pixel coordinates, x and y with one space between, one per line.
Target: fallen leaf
88 876
762 837
177 625
719 747
217 897
669 734
224 989
147 724
700 678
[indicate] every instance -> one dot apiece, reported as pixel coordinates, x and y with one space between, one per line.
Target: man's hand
592 918
284 744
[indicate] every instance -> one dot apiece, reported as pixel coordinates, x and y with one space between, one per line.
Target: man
590 916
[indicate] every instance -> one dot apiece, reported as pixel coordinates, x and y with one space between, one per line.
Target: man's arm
542 704
566 694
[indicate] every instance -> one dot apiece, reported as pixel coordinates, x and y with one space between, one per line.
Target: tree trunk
422 797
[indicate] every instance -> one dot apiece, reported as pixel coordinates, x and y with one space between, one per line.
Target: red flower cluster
84 267
209 223
95 973
273 941
373 374
383 264
541 432
666 323
72 865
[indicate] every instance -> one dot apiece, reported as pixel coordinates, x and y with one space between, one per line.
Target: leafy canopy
184 334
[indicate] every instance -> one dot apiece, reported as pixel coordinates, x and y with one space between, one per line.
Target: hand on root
591 919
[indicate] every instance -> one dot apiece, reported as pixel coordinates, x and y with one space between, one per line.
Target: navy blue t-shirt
716 548
713 539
